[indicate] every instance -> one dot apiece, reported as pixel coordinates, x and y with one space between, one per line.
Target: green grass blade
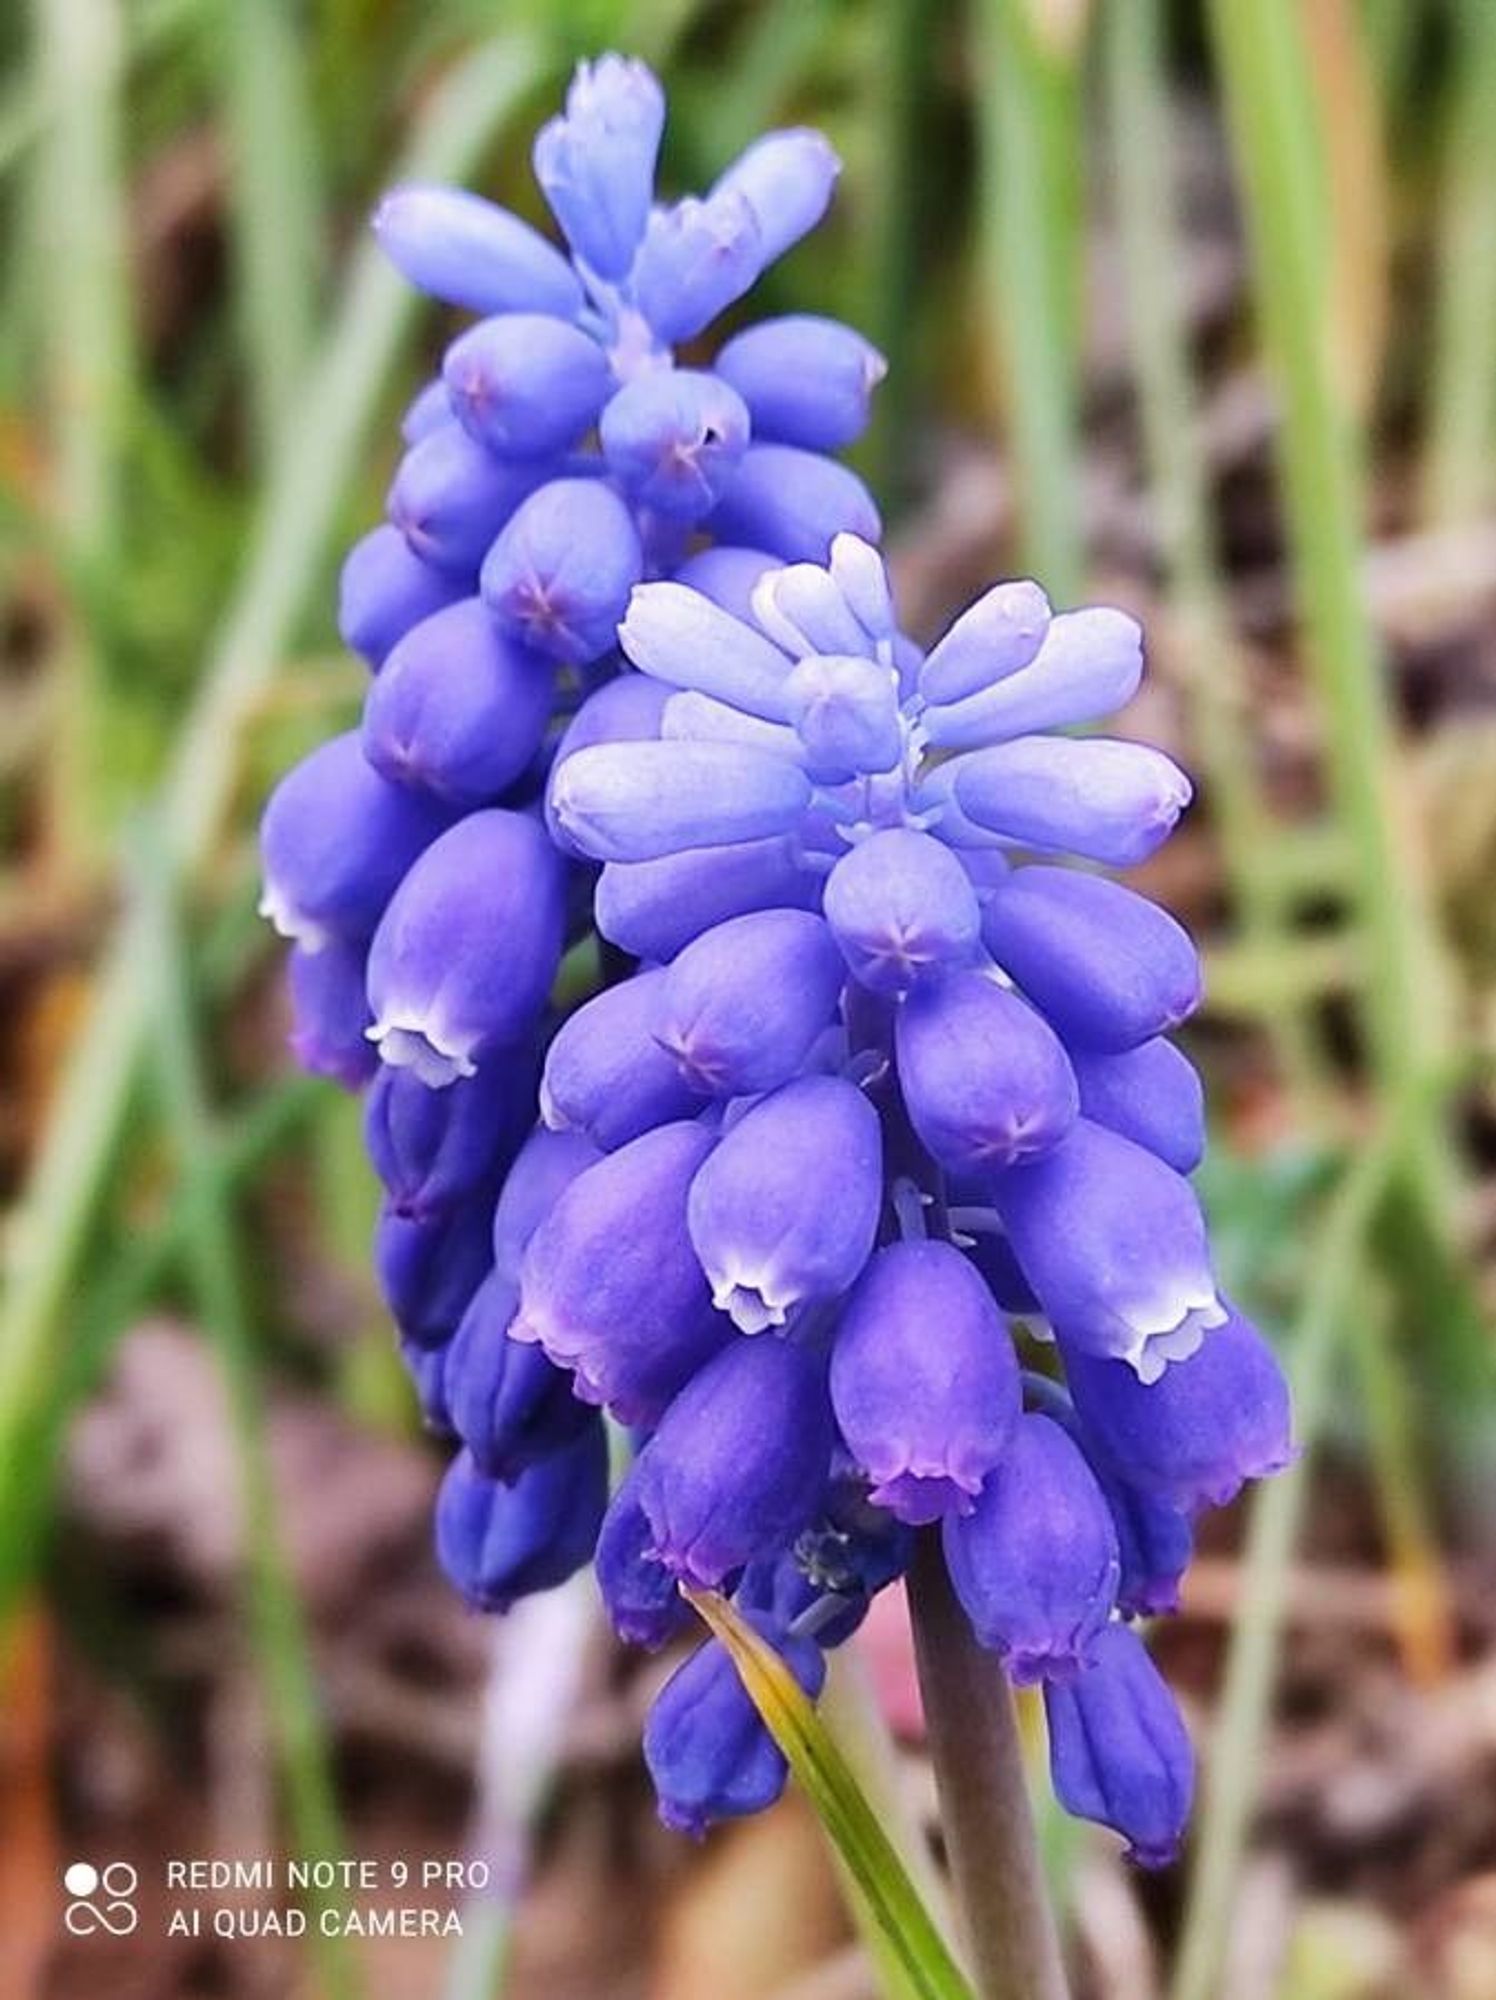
915 1955
216 1269
274 194
1031 141
283 566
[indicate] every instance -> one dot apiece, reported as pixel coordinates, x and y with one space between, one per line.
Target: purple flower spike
806 381
609 1285
1112 802
674 634
924 1380
1089 664
710 1756
459 710
558 577
500 1543
330 1013
795 503
1108 968
1035 1564
466 252
433 1147
1119 1753
386 589
696 259
1114 1244
637 801
785 1211
1195 1436
336 839
643 1599
902 908
450 497
524 384
429 1268
742 1006
673 440
788 179
505 1400
995 637
740 1460
653 908
466 952
547 1165
987 1082
606 1074
1151 1095
597 164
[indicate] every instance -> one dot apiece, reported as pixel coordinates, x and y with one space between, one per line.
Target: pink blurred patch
887 1648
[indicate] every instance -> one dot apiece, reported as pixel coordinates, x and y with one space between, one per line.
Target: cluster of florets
859 1198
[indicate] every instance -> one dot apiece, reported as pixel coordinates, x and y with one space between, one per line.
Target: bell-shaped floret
742 1006
1151 1095
506 1401
606 1074
846 712
678 635
985 1079
431 1148
498 1543
673 439
785 1211
459 710
465 954
430 1266
924 1380
653 908
626 709
794 504
995 637
450 497
1198 1433
740 1460
804 610
1108 801
525 385
335 840
902 908
806 381
609 1283
1035 1564
696 259
1119 1753
1107 968
643 1599
708 1752
1089 665
466 252
384 590
547 1165
727 576
1114 1244
558 577
788 179
330 1013
596 164
638 801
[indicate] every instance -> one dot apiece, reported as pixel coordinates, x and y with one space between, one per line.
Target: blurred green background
1191 306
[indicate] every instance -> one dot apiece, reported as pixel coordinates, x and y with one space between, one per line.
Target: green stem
215 1264
1236 1755
984 1800
284 563
1031 147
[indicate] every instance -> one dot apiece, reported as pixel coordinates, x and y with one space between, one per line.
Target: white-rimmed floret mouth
1173 1331
418 1046
750 1306
288 922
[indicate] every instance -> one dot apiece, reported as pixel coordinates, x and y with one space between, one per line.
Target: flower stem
989 1824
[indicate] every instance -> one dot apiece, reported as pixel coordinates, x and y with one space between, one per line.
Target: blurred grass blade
915 1951
1462 387
1032 150
1235 1762
285 559
215 1268
275 201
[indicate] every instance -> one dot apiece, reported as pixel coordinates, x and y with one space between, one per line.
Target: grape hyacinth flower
859 1193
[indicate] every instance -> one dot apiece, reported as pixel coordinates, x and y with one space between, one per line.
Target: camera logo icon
100 1899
